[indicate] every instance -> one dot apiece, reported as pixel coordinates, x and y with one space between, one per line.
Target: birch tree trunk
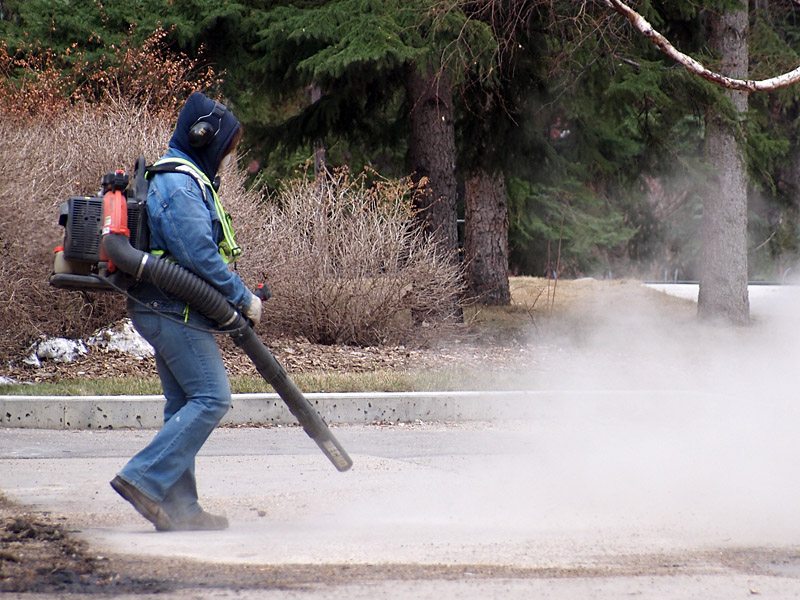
723 278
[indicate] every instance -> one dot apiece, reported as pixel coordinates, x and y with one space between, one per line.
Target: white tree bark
745 85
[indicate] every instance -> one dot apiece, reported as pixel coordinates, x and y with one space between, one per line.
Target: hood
208 158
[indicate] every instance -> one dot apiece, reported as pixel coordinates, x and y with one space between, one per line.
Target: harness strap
228 248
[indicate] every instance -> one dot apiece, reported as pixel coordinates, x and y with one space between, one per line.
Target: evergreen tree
580 129
773 149
724 273
377 61
563 122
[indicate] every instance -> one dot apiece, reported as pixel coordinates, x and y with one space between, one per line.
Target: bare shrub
31 83
42 163
344 259
347 263
38 83
151 74
67 127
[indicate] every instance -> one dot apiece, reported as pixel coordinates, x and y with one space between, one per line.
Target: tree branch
663 44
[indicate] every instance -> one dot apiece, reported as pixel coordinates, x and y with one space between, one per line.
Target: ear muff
203 131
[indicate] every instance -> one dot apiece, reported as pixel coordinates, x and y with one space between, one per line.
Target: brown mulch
297 355
496 339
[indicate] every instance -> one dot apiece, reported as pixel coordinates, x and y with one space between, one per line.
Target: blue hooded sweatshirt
209 158
182 221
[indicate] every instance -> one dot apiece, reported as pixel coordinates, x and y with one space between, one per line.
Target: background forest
553 121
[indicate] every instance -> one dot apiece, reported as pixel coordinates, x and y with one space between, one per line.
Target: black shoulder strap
140 183
164 168
173 167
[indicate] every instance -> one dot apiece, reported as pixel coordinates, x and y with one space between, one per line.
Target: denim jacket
187 228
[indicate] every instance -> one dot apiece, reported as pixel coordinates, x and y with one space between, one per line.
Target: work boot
149 509
200 521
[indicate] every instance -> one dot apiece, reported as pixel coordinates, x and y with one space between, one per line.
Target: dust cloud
646 426
681 426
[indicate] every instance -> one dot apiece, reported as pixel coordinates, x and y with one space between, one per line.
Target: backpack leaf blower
106 248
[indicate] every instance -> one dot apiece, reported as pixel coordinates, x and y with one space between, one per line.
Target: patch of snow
123 338
7 380
55 349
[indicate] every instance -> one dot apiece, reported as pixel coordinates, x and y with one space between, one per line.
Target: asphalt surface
594 498
683 485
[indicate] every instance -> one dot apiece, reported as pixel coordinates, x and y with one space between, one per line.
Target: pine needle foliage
323 42
356 52
334 36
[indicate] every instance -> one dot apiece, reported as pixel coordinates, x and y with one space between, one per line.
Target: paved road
594 498
662 495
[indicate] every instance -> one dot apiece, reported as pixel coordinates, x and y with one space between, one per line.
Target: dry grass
536 301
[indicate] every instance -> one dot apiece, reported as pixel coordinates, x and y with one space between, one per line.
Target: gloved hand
253 309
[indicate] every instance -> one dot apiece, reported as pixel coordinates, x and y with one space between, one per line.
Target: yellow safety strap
228 248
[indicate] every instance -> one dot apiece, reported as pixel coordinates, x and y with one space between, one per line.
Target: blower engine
106 248
81 263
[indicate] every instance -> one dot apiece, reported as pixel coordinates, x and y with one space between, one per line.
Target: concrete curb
145 412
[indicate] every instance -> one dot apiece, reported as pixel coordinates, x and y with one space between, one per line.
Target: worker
188 225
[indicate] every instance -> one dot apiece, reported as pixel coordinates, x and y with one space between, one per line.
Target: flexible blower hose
187 286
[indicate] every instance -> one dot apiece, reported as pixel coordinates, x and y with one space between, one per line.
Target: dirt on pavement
41 556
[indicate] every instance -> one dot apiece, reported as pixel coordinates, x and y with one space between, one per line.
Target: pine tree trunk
320 160
723 277
432 152
486 237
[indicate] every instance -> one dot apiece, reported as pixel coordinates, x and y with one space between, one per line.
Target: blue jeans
197 395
